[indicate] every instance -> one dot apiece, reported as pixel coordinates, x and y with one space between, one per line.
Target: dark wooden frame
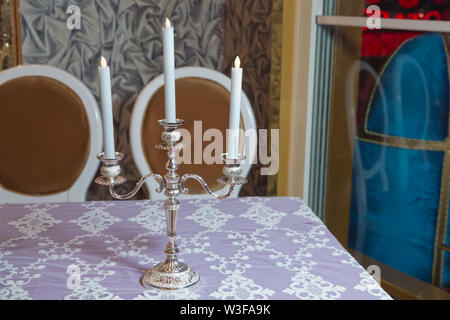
11 33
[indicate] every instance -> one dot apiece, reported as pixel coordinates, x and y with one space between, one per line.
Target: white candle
107 115
169 72
235 110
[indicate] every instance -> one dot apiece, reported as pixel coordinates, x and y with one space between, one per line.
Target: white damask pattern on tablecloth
238 287
39 220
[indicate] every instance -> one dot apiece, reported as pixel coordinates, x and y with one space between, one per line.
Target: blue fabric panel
412 99
394 206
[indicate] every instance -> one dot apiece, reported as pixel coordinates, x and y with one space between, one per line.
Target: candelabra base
160 277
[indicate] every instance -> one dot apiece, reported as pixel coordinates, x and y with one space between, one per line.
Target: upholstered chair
50 133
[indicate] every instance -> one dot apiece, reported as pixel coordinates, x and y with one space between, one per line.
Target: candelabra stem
171 207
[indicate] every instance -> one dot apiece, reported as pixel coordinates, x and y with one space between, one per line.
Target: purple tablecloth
246 248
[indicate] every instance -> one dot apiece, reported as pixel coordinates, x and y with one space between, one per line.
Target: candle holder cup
170 274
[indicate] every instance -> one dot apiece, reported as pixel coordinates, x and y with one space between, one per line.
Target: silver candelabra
170 274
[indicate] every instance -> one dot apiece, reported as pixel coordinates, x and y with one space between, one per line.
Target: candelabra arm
205 186
138 186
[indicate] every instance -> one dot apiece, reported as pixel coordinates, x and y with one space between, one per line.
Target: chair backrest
202 95
51 131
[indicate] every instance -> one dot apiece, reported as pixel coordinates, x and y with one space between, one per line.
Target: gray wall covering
128 34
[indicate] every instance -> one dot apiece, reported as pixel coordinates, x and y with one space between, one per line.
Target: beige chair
50 133
201 94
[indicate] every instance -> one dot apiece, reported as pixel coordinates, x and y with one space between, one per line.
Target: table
245 248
